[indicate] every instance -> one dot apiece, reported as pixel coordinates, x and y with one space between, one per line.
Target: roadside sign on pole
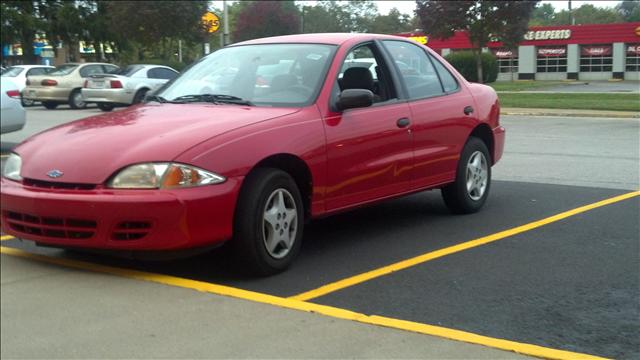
210 22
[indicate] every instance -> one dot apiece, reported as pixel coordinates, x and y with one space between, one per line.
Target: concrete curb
570 113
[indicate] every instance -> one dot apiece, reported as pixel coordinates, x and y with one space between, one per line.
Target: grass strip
615 102
524 85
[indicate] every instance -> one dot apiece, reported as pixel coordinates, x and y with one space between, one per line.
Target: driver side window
363 68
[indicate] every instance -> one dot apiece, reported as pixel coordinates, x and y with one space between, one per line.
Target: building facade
564 52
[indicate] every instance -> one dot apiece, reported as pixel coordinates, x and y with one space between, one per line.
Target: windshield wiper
213 98
157 98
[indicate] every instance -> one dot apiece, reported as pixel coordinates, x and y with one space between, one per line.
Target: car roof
32 66
318 38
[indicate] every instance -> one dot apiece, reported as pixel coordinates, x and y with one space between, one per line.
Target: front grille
57 185
53 227
131 230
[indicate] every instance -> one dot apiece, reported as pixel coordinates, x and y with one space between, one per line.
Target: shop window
507 60
633 57
596 58
551 59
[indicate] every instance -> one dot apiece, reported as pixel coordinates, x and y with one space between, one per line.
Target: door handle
468 110
404 122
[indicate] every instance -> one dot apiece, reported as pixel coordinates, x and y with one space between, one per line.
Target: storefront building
565 52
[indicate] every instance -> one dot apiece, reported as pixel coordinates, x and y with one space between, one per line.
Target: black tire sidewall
105 106
139 96
456 195
49 105
248 236
72 102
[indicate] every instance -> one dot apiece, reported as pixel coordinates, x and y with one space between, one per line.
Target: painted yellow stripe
357 279
4 156
6 237
522 348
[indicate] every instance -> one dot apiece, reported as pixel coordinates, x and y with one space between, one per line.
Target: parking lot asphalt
569 283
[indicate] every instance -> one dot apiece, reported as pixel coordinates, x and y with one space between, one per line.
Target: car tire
468 193
75 100
106 106
50 105
26 102
139 96
268 222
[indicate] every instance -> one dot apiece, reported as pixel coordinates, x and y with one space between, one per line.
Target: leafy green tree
543 15
588 14
20 23
326 16
394 22
483 20
629 10
252 21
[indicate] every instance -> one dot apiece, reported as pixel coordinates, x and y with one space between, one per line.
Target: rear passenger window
161 73
449 83
416 69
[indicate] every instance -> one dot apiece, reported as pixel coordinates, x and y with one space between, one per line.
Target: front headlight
162 176
12 167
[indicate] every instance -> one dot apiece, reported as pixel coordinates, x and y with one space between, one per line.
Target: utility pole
225 8
573 20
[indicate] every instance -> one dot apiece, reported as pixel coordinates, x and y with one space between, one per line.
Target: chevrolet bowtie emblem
55 173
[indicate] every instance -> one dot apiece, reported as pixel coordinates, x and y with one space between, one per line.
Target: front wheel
268 222
105 106
468 193
26 102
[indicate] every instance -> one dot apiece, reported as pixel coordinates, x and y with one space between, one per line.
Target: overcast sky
407 7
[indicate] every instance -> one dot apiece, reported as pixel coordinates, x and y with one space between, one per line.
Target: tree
629 10
266 18
482 20
588 14
543 15
394 22
20 23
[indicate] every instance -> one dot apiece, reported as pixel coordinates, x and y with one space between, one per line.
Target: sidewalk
570 113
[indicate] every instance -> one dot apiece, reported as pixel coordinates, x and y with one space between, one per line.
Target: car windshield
12 71
263 75
63 70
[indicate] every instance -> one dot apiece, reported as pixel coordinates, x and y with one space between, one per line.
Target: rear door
437 103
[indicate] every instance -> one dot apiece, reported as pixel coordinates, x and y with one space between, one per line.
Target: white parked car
18 74
12 114
125 87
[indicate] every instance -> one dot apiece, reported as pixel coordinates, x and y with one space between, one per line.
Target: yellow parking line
4 155
6 237
521 348
360 278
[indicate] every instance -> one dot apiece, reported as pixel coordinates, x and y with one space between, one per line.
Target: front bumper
498 143
120 219
49 93
116 96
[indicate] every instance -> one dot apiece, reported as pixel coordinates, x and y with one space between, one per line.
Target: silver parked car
125 87
12 114
19 73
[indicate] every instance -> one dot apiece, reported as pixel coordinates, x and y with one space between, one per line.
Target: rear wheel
137 99
105 106
468 193
50 104
76 101
268 222
26 102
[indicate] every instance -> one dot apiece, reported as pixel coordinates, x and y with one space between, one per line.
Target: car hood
91 150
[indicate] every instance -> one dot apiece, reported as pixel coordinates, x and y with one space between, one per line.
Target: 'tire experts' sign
210 22
548 35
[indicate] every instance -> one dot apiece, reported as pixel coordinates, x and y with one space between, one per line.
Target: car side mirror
354 98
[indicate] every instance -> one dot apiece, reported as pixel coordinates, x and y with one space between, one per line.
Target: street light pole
226 23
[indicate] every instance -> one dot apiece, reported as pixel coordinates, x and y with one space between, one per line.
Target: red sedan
254 140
